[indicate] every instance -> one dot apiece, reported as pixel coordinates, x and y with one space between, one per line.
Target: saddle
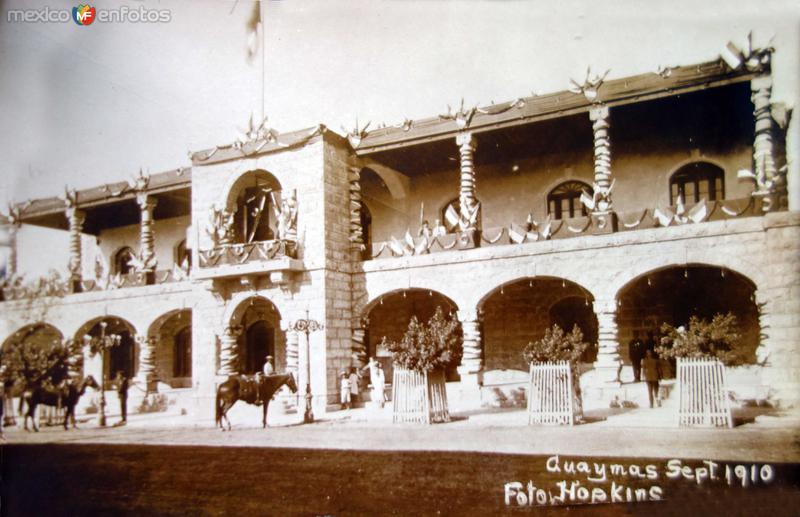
248 387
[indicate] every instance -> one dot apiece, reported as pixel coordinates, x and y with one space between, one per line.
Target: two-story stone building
617 205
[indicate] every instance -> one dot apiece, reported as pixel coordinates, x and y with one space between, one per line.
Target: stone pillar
773 182
356 230
147 254
146 375
603 217
471 368
608 362
229 350
469 215
76 219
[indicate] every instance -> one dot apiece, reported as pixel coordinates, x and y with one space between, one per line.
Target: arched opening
696 181
521 311
36 334
564 201
385 211
118 358
25 354
388 318
674 294
261 335
182 353
173 349
253 199
122 259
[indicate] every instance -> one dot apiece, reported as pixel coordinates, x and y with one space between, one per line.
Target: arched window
253 197
182 353
183 255
696 181
122 260
564 201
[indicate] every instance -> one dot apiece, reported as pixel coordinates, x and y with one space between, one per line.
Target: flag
254 28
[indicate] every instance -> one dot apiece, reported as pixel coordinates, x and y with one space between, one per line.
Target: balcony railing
237 254
573 227
135 279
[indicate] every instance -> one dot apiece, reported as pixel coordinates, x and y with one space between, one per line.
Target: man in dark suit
652 374
122 391
636 350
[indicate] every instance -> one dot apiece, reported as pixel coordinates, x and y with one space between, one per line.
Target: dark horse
66 396
248 389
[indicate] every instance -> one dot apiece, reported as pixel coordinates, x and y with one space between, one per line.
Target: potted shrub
418 383
704 349
703 339
557 345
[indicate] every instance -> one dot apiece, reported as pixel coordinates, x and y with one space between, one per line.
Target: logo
84 14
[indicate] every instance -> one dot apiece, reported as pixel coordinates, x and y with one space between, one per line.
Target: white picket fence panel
550 394
703 398
419 397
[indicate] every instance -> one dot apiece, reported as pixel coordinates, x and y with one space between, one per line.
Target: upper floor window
564 201
255 197
183 255
696 181
122 259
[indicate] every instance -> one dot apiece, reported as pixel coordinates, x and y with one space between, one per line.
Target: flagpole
263 59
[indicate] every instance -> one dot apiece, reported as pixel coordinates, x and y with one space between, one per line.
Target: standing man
636 352
355 390
379 384
122 391
652 374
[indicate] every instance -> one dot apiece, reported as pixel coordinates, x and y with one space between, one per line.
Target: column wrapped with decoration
608 361
228 350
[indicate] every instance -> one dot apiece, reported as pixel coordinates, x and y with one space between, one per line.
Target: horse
239 387
65 396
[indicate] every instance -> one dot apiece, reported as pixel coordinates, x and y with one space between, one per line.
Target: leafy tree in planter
715 339
427 346
556 345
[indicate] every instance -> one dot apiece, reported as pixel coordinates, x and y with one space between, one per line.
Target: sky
86 105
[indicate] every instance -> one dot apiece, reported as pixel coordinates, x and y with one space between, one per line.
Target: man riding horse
253 390
65 396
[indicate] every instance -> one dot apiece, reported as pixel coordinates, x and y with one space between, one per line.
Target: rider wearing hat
267 370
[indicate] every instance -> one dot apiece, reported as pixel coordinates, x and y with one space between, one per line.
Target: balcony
532 231
276 258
